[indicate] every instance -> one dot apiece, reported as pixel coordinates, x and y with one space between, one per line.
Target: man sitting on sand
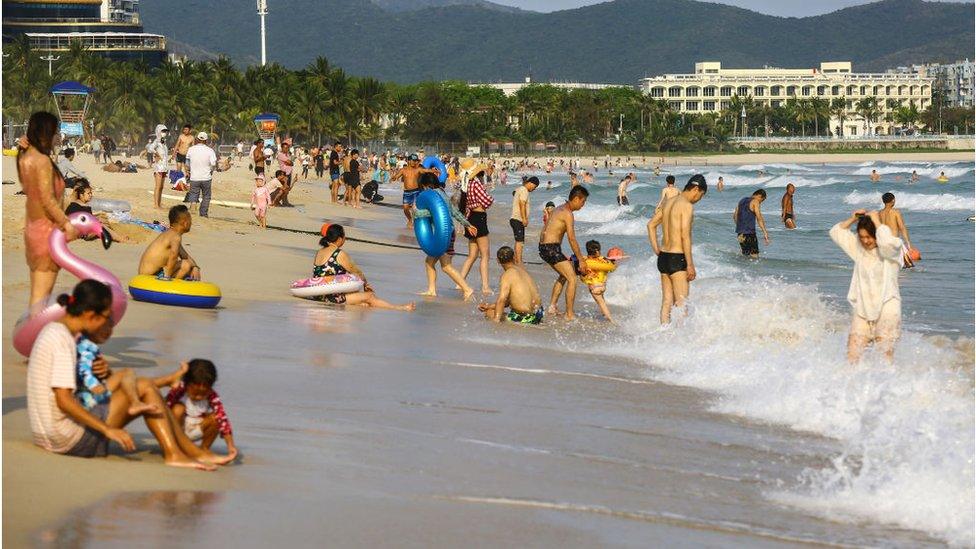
517 291
674 260
166 255
561 223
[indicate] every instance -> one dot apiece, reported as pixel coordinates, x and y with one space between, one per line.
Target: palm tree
869 111
838 110
819 107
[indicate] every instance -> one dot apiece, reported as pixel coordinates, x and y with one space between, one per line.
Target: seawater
768 336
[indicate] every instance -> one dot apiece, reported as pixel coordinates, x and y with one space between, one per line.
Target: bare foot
428 293
409 307
139 408
552 311
468 293
213 459
570 316
487 291
188 463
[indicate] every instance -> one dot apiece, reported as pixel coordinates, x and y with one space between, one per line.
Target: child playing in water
596 279
260 199
197 407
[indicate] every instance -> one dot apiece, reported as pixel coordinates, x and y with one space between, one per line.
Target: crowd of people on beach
77 403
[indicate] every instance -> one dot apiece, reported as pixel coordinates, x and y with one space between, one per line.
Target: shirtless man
787 215
183 143
893 219
410 176
875 176
561 223
721 184
622 199
517 291
669 191
166 255
674 260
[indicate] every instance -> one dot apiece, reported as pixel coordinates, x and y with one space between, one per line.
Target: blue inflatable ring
431 162
179 293
434 232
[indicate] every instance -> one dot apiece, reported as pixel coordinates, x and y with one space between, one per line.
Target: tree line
322 102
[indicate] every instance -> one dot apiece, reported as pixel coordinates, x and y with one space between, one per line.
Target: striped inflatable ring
178 293
433 233
431 162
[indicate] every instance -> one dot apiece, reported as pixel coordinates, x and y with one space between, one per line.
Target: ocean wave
621 227
773 167
924 170
913 201
601 213
734 180
781 181
905 431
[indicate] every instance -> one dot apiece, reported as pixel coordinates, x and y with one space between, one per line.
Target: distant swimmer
674 260
891 217
516 291
573 179
622 199
747 213
669 191
914 178
875 176
943 178
721 184
562 224
874 295
789 218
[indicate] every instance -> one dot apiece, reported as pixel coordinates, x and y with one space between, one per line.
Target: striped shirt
477 197
52 365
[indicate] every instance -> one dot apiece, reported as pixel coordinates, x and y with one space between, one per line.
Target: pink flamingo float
27 328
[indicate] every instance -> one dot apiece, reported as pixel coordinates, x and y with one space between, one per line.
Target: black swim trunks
480 222
518 229
789 216
258 170
552 253
180 158
623 201
669 263
749 244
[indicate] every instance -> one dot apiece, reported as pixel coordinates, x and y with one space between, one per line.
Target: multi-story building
711 89
107 27
954 81
511 88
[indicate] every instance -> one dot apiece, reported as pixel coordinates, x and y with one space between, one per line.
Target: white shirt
201 160
159 147
875 278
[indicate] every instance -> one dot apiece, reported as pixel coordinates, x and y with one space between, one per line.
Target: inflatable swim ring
326 285
433 232
179 293
431 162
10 152
943 179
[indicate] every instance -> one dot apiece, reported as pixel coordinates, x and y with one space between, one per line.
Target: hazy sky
785 8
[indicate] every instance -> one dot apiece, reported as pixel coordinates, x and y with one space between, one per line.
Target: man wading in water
674 260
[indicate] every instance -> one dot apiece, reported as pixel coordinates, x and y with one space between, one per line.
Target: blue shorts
409 197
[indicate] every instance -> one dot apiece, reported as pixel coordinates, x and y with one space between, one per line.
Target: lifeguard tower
72 100
267 126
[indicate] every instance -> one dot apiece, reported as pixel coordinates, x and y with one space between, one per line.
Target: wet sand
383 428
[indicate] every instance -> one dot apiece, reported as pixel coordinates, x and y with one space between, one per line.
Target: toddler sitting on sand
198 408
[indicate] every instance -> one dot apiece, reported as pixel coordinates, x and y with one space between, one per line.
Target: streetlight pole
620 129
262 11
50 60
745 132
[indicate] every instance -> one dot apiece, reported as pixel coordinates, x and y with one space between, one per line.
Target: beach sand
382 428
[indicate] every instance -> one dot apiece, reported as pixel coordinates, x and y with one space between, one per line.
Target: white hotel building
711 88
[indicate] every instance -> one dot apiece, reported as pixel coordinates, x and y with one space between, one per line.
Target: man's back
523 294
201 160
674 212
158 253
892 218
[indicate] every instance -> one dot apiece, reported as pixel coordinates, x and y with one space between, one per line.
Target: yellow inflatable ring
179 293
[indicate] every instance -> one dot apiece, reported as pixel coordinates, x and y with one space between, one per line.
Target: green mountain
619 41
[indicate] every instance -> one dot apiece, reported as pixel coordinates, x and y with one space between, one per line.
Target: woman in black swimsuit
331 261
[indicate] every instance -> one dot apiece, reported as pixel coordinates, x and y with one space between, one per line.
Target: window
674 91
835 90
807 90
864 90
775 103
657 92
743 91
692 91
902 90
708 106
776 91
851 90
791 91
726 91
709 91
821 90
877 90
691 105
725 105
890 90
759 91
914 90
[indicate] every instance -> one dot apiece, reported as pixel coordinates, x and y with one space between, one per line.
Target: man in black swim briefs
561 223
675 215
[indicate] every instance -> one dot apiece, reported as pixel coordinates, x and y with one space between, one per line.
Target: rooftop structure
511 88
710 89
107 27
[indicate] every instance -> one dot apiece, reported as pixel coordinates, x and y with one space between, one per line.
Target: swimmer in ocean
788 217
674 261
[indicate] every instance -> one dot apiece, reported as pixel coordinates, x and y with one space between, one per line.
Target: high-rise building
953 81
711 88
107 27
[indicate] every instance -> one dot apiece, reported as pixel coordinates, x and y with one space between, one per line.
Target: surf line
244 205
541 371
673 519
